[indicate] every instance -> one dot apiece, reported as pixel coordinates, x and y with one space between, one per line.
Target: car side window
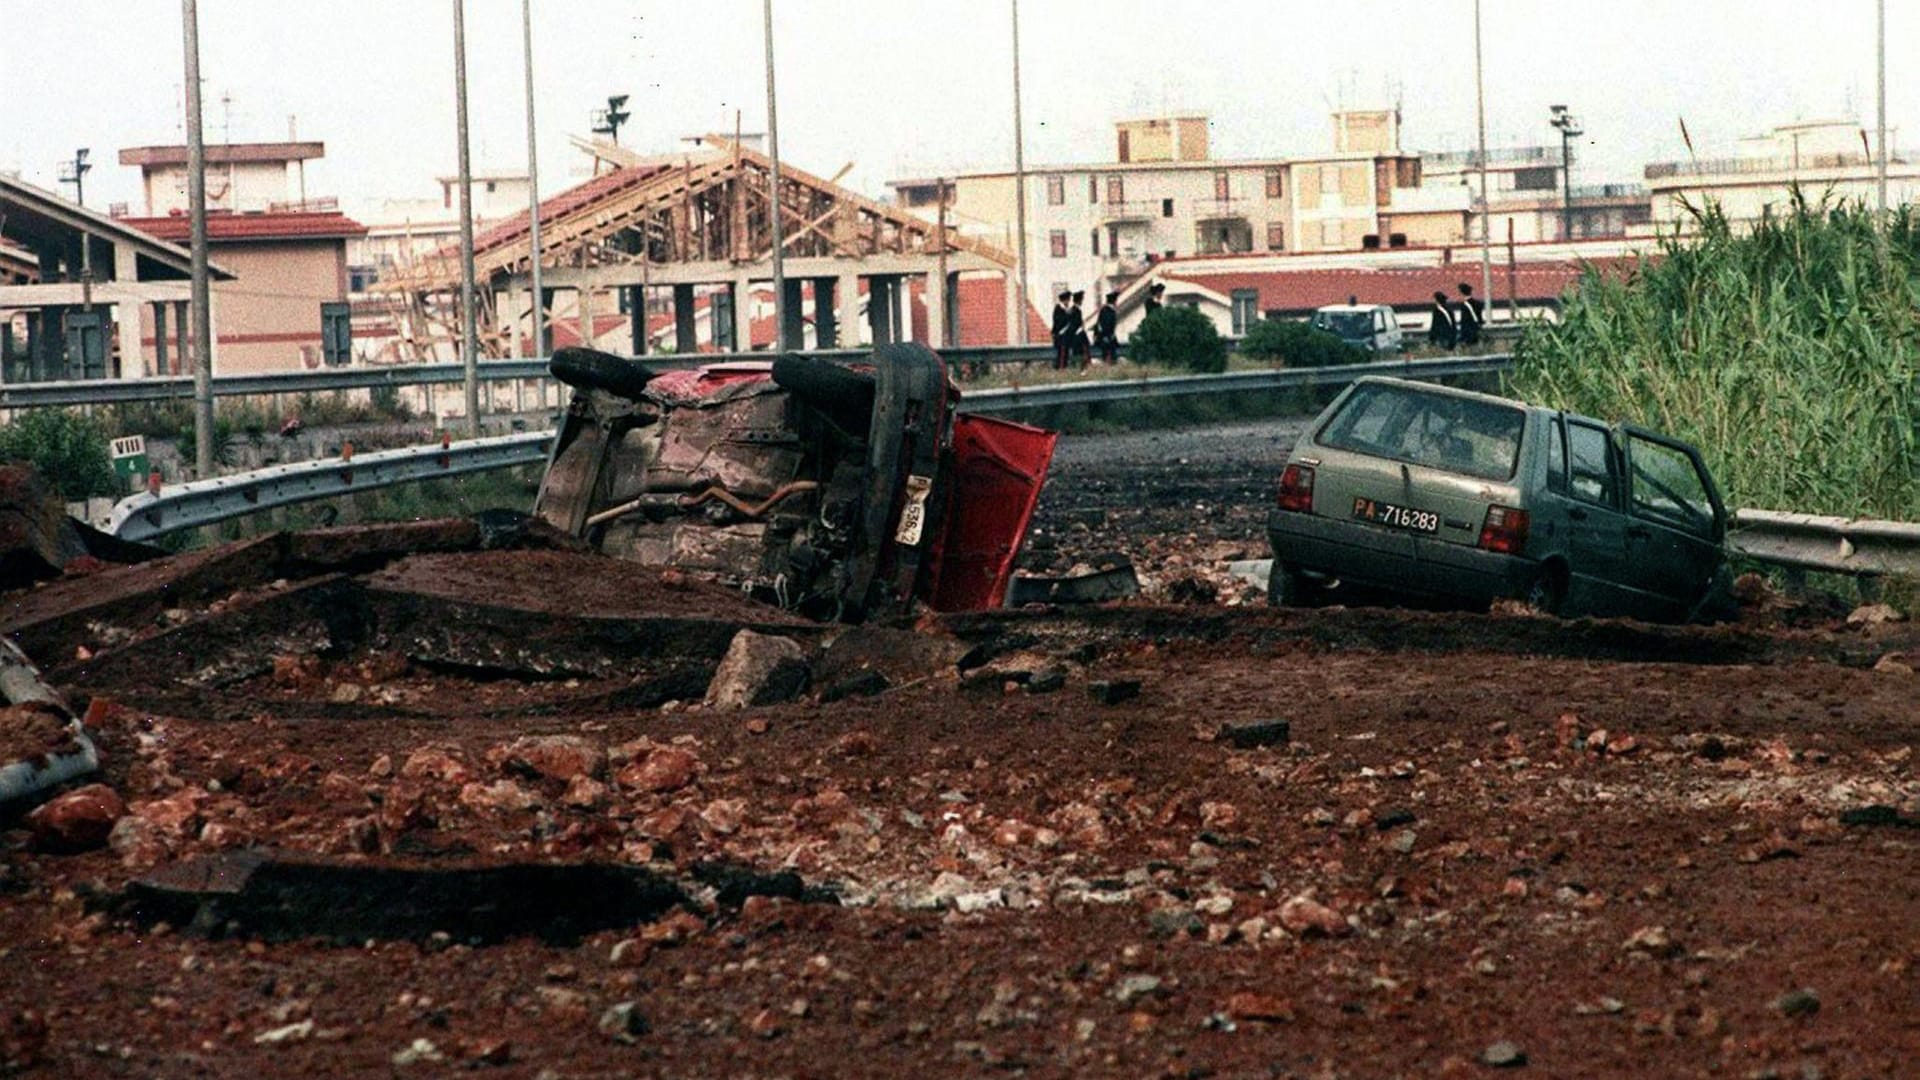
1591 472
1666 485
1557 457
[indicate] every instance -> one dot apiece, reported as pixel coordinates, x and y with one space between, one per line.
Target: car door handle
1576 514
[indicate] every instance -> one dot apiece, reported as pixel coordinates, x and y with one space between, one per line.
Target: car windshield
1347 324
1460 435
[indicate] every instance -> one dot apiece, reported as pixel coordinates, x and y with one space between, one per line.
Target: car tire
841 393
1288 587
1547 595
591 369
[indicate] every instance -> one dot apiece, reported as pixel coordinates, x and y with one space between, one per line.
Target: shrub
1296 344
68 449
1178 337
1787 353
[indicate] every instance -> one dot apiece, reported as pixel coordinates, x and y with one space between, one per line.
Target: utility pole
1486 220
773 198
468 334
940 232
197 208
75 172
1020 192
1880 91
533 188
1569 126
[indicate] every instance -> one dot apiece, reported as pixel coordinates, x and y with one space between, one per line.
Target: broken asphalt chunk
1257 733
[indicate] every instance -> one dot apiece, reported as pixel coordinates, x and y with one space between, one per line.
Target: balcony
1746 166
1114 213
1220 210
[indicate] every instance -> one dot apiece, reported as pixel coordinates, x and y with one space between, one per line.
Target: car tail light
1505 530
1296 489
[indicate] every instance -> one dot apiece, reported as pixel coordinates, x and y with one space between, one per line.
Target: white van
1372 327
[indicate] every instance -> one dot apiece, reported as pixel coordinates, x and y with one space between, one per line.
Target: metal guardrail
206 502
1859 546
1098 390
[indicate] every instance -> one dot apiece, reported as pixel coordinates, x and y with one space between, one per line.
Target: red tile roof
515 228
1412 287
229 227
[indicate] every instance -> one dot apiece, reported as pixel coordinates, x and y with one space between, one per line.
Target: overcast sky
914 87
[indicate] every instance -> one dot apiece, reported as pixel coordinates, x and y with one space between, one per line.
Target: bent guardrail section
1835 545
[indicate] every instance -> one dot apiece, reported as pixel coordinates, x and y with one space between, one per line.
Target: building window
1094 238
1222 186
1056 190
1166 207
1276 236
1116 190
1276 185
1246 310
1329 179
1534 179
336 332
492 187
1057 243
1330 235
1093 188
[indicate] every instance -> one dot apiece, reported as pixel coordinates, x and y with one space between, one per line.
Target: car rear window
1459 435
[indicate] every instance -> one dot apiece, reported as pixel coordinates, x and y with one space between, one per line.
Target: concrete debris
758 669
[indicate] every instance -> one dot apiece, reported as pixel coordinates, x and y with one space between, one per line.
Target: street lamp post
539 312
197 211
1020 193
469 334
1570 128
780 341
1486 220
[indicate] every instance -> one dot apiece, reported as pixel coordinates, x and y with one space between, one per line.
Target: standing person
1105 325
1061 330
1153 299
1441 331
1471 315
1078 320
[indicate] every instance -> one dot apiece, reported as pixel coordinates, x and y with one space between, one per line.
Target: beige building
242 177
1823 157
1095 226
1527 197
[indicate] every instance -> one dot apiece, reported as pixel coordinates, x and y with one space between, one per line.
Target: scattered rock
79 820
1801 1002
758 669
867 683
1653 941
1875 615
1256 733
1306 916
666 768
417 1051
584 793
1264 1008
1136 986
1113 691
1503 1055
1169 922
623 1022
290 1033
551 757
1894 664
499 797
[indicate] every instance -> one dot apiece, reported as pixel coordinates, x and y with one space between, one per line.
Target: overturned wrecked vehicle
834 491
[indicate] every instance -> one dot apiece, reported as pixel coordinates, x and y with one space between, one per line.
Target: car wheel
591 369
1548 593
843 394
1288 587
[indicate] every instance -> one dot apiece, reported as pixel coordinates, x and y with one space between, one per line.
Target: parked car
1431 492
1372 327
836 491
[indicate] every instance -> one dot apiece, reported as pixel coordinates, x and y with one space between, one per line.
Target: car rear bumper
1390 559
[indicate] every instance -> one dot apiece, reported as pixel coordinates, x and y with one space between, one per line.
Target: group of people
1071 343
1457 322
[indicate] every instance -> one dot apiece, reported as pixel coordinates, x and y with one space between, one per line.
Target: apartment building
1527 197
1834 157
1095 226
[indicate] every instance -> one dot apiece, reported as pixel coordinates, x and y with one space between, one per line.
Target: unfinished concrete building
697 226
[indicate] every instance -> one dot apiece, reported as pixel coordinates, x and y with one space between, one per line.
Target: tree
66 448
1178 337
1296 344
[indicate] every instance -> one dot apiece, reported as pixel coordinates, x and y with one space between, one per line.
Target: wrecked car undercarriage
832 491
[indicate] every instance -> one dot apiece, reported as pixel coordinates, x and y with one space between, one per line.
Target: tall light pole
1570 128
533 188
197 209
469 335
773 196
1880 92
1019 192
1486 220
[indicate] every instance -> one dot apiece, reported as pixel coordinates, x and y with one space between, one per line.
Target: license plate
913 516
1396 517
